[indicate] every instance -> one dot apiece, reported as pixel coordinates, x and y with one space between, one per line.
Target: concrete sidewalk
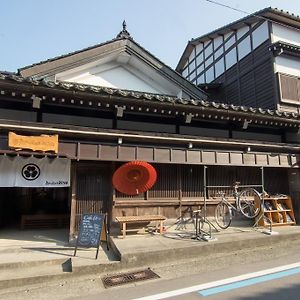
175 245
33 257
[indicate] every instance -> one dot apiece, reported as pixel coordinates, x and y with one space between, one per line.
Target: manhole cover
123 278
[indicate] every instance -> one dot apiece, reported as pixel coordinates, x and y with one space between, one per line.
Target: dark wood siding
93 190
172 180
179 187
250 82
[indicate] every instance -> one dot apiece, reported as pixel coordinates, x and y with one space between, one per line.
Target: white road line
218 283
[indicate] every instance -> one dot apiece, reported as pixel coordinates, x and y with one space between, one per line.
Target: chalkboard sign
91 226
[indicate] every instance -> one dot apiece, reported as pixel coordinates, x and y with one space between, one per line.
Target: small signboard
35 143
92 227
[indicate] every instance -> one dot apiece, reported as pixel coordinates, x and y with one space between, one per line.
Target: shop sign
35 143
21 171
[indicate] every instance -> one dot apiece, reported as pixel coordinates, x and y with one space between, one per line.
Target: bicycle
248 202
201 227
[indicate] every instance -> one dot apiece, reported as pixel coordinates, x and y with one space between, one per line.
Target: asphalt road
257 287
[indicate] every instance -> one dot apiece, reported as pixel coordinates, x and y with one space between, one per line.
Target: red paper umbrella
134 177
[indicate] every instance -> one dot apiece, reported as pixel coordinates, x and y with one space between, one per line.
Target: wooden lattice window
289 87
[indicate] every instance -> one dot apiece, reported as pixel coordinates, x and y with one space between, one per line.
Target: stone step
15 265
31 275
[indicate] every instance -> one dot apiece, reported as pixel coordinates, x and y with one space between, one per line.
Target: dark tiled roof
148 96
289 48
68 54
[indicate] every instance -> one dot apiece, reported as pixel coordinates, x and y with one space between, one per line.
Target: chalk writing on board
90 230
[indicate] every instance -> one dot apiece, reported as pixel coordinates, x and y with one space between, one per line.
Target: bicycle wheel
223 215
249 203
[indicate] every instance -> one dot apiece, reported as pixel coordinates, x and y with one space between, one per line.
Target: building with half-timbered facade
252 62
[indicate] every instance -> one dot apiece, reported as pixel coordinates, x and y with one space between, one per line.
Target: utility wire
247 13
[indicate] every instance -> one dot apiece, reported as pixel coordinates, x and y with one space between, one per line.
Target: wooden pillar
73 201
294 191
179 186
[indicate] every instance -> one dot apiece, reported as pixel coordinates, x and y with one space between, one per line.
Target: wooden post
124 230
73 200
179 186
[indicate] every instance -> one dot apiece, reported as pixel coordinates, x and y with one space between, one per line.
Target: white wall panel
287 65
210 75
200 79
219 52
200 69
209 61
230 42
199 59
230 58
199 48
289 35
117 77
192 55
192 66
192 76
208 51
260 34
185 72
219 67
242 31
244 47
227 35
218 41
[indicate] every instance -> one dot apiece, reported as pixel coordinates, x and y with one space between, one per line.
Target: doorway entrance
34 208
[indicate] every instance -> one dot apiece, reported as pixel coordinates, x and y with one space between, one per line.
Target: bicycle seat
237 183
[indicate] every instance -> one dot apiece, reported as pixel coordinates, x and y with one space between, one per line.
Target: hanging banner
21 171
35 143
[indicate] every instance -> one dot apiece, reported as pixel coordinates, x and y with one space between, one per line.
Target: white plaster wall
200 79
219 52
229 43
208 50
260 34
287 65
192 54
244 47
218 41
241 31
117 77
210 75
199 48
192 66
230 58
199 59
219 67
288 35
185 72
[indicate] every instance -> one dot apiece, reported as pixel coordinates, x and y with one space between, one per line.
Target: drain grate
124 278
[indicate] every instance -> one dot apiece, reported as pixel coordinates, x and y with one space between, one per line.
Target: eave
78 95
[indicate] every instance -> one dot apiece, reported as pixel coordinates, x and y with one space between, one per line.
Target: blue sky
35 30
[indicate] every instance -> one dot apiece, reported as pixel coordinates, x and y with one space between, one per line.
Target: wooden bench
44 221
139 219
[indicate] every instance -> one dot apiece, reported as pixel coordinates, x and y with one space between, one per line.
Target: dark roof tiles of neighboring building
147 96
269 13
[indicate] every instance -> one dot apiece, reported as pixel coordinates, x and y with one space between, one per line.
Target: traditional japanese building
113 103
